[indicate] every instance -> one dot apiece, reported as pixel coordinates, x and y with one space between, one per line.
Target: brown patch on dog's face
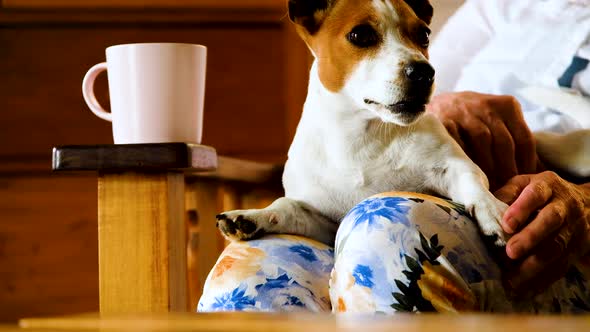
337 56
411 30
391 22
422 8
307 14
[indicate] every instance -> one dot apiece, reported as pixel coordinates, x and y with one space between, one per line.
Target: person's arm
548 216
491 129
550 220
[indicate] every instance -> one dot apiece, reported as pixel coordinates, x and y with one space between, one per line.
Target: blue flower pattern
372 267
282 291
304 252
363 275
291 277
371 210
234 301
283 281
294 300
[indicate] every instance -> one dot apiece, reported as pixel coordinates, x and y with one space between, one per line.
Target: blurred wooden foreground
242 322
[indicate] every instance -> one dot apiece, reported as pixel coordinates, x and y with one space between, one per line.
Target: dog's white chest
334 181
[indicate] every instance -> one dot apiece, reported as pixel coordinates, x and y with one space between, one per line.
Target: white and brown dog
364 129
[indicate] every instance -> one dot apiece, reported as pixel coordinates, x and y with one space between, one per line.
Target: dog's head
373 51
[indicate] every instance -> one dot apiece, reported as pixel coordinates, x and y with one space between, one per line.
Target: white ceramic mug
157 91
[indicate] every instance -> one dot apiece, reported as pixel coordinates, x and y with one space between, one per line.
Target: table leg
142 242
207 201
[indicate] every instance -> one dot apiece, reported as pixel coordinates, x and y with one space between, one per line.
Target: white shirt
511 46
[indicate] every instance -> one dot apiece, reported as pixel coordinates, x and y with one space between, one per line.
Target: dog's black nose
420 72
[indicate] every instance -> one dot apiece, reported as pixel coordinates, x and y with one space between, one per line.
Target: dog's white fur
346 150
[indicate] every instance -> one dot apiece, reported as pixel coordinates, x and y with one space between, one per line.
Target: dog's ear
422 8
308 13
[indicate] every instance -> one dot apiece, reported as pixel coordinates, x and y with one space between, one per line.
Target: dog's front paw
488 213
242 224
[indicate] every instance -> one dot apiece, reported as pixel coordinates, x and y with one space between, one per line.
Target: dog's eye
363 36
423 37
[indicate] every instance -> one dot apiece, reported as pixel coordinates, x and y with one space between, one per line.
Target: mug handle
88 91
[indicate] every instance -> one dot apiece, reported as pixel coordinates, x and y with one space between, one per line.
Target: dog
364 129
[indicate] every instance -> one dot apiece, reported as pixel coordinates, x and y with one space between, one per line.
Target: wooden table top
192 159
257 322
122 157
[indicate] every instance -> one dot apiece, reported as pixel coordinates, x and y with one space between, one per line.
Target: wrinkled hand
550 220
491 130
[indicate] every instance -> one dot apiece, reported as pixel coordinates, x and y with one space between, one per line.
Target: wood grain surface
48 245
256 322
144 157
144 4
142 242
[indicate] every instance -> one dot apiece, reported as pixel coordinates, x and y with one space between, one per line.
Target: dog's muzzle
404 106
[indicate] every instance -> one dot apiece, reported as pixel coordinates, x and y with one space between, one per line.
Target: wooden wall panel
144 3
48 246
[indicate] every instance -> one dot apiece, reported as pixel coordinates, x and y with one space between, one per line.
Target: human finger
478 141
550 260
580 242
548 220
533 196
536 273
524 142
503 152
510 191
453 130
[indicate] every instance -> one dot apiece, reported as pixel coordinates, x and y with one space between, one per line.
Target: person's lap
274 273
394 252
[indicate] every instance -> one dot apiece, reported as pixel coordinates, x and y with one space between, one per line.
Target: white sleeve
460 39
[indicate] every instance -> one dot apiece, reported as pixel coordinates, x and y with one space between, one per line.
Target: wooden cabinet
256 84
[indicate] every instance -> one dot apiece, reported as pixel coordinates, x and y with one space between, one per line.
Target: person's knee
389 246
387 209
274 273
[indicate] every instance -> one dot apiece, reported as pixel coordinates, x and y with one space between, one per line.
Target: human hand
550 220
491 130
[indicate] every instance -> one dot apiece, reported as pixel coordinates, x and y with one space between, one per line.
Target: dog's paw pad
245 226
226 225
238 225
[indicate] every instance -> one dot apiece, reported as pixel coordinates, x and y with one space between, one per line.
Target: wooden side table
142 190
141 224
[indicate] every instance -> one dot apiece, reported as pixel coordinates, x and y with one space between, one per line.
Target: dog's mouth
404 106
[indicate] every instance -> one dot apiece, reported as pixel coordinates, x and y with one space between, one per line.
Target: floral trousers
394 252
